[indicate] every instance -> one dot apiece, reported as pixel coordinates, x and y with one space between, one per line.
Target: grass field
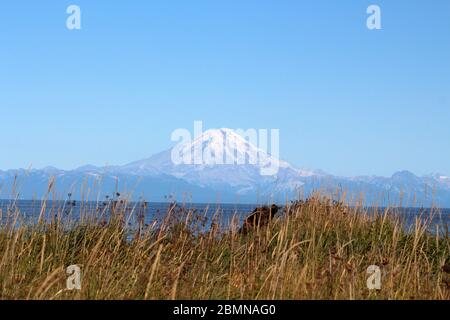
316 250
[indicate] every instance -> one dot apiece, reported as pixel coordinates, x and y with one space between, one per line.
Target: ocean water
74 210
155 211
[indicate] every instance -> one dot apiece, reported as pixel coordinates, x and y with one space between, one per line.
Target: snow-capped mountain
223 166
220 158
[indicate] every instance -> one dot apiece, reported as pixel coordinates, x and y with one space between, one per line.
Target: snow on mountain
225 146
220 158
445 180
441 178
88 168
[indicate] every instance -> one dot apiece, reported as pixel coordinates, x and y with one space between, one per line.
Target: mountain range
158 178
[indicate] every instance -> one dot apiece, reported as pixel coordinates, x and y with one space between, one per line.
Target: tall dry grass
315 250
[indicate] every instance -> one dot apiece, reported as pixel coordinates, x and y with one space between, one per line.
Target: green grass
317 251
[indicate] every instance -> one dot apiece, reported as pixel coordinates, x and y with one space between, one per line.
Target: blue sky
346 99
